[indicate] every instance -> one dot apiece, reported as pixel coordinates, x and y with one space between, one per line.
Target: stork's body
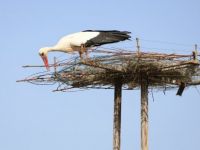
81 41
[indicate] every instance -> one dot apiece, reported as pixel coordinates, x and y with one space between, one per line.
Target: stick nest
105 68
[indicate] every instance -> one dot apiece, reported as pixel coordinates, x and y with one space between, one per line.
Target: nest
106 68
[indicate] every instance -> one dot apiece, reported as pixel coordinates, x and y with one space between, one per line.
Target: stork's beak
45 60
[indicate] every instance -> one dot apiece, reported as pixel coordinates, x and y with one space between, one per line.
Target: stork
82 41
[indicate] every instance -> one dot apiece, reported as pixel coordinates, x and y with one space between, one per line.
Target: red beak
45 60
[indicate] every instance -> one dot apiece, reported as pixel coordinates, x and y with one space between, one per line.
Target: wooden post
138 45
117 115
196 48
195 54
144 114
55 65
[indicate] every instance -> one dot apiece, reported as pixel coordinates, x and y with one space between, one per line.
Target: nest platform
104 68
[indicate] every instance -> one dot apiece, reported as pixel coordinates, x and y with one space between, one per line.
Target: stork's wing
106 37
79 38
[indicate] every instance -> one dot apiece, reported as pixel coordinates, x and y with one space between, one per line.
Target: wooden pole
55 65
195 54
144 114
138 45
117 115
196 48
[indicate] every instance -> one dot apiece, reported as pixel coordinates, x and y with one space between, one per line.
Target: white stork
81 41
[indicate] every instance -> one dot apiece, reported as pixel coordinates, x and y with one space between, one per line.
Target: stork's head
43 53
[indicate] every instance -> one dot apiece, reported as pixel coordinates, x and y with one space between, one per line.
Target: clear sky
34 118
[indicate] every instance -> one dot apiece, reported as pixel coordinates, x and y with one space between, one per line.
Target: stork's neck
51 49
45 50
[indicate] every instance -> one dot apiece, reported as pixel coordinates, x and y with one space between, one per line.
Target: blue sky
32 117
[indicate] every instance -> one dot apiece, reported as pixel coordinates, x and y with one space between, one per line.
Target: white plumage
81 41
77 39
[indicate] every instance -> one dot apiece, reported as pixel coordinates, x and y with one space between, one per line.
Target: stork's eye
42 54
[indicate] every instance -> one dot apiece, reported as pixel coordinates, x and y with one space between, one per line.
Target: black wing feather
107 36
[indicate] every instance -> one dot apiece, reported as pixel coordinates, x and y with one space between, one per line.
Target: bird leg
80 54
84 49
86 53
